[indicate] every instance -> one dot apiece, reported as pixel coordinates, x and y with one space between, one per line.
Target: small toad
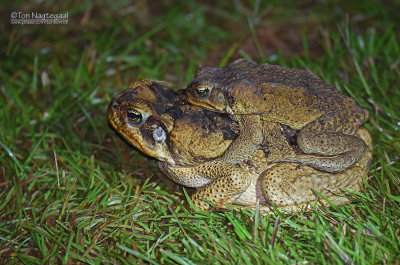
326 119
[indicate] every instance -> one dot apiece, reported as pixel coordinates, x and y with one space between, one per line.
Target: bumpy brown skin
169 112
325 118
195 137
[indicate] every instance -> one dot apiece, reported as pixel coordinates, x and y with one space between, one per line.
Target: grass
71 191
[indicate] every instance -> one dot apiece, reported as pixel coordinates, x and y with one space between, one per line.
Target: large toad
184 138
326 119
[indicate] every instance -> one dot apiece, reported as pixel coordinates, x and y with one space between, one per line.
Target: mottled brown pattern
326 119
195 138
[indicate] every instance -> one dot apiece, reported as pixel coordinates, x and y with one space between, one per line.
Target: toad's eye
134 116
204 91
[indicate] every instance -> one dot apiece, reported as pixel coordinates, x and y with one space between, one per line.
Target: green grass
72 191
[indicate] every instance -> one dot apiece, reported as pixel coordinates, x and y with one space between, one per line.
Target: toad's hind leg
287 185
290 188
332 141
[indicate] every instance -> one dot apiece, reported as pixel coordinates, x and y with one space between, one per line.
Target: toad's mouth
205 105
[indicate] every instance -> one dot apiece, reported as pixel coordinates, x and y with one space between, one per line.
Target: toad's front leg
219 183
249 139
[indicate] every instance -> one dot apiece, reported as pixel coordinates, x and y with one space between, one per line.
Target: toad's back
289 96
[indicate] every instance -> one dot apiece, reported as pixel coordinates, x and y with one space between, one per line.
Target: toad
184 138
325 118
